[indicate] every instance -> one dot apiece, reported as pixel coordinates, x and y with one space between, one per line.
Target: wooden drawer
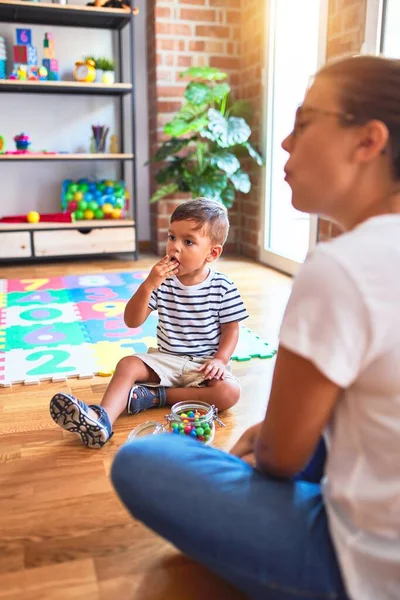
91 241
15 244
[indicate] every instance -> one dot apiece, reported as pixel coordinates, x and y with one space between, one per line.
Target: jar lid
146 428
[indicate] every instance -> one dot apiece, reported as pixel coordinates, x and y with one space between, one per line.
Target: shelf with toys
64 87
28 156
93 220
100 216
46 13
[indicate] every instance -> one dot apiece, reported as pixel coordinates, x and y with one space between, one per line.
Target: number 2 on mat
33 284
51 366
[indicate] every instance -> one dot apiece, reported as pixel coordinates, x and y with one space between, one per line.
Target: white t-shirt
344 316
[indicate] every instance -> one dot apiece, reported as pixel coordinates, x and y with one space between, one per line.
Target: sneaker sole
68 414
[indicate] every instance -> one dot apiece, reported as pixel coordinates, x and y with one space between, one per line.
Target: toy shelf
33 241
95 224
64 157
63 87
30 242
43 13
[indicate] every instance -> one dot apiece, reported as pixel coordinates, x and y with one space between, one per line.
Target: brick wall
181 34
228 34
252 61
346 34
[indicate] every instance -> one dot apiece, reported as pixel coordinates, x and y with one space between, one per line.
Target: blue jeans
267 537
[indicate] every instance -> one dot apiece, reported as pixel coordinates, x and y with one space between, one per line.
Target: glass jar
195 419
146 428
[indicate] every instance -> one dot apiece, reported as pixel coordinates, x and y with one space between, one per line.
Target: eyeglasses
304 110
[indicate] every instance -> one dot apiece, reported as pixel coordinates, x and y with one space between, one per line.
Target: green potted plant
107 67
209 138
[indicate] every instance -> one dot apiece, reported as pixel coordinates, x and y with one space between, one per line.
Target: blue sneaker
146 397
73 415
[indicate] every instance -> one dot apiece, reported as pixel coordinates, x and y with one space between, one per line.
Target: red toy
48 218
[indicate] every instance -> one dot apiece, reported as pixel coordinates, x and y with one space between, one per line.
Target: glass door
296 48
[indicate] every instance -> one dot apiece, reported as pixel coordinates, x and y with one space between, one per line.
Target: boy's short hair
209 214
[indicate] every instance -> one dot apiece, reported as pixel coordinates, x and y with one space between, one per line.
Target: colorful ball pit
94 200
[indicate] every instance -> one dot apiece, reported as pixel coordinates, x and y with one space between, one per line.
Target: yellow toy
85 71
33 217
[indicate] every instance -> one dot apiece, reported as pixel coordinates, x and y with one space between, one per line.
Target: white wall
63 123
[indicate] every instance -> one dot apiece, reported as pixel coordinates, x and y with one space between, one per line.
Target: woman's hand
244 447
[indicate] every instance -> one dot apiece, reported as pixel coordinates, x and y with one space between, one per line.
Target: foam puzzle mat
59 327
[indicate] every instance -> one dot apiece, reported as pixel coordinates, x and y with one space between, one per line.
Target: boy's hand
161 270
213 369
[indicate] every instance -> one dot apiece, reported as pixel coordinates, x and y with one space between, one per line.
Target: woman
272 534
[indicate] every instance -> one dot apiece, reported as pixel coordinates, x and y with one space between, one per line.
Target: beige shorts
175 370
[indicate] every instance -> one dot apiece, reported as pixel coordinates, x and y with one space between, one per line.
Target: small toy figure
114 144
22 142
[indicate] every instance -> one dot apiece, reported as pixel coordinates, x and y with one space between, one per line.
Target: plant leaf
241 108
179 126
226 161
228 196
172 171
241 181
254 153
170 147
163 191
219 92
226 132
209 184
197 93
208 73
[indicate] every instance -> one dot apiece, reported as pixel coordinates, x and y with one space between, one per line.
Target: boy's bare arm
137 310
228 341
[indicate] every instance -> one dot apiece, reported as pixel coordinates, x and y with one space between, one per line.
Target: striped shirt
190 316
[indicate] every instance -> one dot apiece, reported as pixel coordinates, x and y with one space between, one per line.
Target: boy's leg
269 538
129 371
93 424
223 393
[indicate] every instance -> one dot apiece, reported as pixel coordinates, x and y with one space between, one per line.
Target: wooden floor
63 533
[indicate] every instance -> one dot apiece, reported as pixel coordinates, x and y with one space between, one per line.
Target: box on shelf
87 199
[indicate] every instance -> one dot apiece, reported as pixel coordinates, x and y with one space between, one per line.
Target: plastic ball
190 414
98 214
93 205
78 215
109 183
116 213
119 203
88 214
98 194
107 208
69 196
73 187
108 190
187 430
83 187
78 196
101 186
193 433
200 431
33 217
73 205
119 193
82 205
89 197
